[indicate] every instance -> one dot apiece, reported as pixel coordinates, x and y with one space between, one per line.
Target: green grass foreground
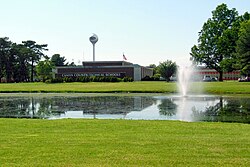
132 87
85 142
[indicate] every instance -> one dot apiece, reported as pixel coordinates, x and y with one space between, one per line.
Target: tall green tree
58 60
243 48
6 59
230 62
44 69
21 72
35 53
5 47
217 40
10 61
167 69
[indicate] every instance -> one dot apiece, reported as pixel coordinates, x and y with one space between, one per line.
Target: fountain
184 75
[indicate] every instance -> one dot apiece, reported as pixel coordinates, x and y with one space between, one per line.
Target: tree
35 54
217 40
5 47
17 60
58 60
243 48
71 64
154 67
44 69
21 72
9 63
167 69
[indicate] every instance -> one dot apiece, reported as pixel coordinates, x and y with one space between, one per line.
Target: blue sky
147 31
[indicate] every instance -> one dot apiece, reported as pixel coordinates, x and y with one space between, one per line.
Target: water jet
184 79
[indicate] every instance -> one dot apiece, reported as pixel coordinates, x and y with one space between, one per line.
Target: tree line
223 45
224 42
27 62
17 60
23 62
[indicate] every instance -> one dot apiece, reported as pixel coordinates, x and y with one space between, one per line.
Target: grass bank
133 87
122 143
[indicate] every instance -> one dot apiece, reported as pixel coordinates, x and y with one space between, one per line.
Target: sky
145 31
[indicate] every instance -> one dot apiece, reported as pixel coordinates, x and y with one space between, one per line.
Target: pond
119 106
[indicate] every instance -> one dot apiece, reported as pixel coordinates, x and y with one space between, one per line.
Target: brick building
118 69
200 72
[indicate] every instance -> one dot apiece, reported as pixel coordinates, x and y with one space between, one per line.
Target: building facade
200 72
118 69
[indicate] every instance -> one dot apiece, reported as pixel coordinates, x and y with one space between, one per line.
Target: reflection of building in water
104 104
193 108
36 107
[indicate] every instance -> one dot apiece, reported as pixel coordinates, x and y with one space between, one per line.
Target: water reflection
167 107
226 110
191 108
62 107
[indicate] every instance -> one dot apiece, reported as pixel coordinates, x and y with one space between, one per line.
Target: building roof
106 63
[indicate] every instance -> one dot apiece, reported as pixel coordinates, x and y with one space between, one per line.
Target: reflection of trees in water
25 107
46 107
13 107
167 107
226 110
36 107
105 104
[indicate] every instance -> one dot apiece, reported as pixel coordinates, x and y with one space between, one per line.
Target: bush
147 78
54 80
153 78
127 79
89 79
157 77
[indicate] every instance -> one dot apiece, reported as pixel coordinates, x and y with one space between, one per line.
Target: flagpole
124 57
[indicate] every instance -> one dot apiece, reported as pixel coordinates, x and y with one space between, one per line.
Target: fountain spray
184 79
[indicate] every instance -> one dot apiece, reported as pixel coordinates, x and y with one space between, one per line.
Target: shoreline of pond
203 107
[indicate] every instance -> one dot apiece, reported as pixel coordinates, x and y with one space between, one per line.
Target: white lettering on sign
92 74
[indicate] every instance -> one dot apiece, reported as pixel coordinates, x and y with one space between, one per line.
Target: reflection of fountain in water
184 76
183 113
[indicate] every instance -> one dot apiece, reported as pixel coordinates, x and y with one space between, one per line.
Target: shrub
147 78
127 79
89 79
157 77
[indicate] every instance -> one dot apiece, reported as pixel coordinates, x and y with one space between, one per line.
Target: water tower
93 39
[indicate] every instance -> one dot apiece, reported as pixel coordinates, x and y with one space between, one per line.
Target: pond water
136 107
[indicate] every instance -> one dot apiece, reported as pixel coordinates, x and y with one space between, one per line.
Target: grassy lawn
74 142
92 87
134 87
85 142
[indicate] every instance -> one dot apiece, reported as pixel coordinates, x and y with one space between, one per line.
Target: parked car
207 78
214 79
162 79
246 79
173 78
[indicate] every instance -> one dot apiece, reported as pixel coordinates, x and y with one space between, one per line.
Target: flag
124 57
